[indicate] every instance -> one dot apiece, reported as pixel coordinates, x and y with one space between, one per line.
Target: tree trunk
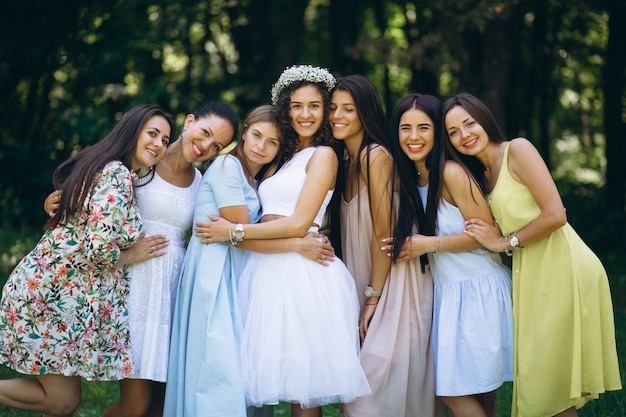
615 129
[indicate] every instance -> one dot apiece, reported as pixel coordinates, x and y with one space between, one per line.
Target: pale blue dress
204 371
472 329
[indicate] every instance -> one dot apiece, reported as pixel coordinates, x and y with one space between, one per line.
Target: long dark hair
370 111
76 176
289 141
411 210
263 113
483 116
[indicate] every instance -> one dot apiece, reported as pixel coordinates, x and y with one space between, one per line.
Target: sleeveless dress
565 353
472 317
204 372
63 308
300 339
168 210
396 354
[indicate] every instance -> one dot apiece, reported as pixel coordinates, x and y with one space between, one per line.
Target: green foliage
14 244
85 64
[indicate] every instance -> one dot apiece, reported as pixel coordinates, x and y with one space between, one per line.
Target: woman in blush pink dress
396 298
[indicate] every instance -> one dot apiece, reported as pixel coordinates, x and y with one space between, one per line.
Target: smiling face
204 137
416 134
466 135
344 117
151 143
261 143
306 110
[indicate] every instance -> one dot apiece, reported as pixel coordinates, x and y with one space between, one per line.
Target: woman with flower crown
300 339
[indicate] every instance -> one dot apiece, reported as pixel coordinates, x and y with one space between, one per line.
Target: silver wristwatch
370 292
238 233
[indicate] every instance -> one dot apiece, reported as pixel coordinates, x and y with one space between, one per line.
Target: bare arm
308 246
321 174
460 190
527 167
381 166
147 247
313 246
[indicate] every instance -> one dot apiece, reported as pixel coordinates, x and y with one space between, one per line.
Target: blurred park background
551 70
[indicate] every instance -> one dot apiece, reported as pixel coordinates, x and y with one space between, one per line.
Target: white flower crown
302 73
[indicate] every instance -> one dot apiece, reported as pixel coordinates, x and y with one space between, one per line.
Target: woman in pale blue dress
204 376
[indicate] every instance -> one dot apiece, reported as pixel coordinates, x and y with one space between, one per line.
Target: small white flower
302 73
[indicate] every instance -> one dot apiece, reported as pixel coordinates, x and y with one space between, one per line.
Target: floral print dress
63 308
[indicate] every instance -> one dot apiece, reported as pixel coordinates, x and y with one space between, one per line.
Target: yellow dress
565 352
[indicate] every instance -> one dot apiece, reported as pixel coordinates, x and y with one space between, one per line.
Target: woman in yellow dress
565 352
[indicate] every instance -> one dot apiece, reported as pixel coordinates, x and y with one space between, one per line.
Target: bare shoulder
522 152
324 152
453 171
324 155
378 156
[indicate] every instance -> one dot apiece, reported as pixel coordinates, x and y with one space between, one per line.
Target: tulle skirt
300 340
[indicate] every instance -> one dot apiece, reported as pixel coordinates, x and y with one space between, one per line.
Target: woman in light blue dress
204 371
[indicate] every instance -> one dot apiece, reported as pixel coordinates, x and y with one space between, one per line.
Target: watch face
370 292
514 241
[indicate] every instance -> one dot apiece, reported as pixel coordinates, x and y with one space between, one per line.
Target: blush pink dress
397 354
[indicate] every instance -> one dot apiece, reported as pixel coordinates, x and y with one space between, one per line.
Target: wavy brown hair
76 176
289 142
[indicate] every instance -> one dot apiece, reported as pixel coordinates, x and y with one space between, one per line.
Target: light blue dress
472 329
204 371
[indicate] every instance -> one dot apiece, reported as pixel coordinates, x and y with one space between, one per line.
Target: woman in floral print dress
63 312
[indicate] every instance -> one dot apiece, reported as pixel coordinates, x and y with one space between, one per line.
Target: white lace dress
165 209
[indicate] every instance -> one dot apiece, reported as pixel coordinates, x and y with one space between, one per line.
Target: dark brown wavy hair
289 142
75 176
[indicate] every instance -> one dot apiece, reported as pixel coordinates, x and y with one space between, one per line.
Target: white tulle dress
300 340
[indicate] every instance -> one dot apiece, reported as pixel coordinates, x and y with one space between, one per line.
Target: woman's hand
367 312
413 247
488 235
218 230
147 247
51 203
316 247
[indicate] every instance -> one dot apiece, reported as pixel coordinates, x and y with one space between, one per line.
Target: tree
614 101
